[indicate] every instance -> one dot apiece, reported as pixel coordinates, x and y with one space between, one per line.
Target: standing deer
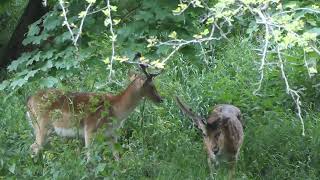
74 113
222 132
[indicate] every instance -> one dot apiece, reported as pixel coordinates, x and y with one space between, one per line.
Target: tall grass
160 143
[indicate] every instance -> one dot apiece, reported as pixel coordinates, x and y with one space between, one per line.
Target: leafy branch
82 15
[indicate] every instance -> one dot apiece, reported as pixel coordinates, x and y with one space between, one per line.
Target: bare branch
265 51
81 25
294 94
113 39
74 37
66 22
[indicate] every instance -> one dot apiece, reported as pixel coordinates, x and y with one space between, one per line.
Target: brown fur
222 132
85 111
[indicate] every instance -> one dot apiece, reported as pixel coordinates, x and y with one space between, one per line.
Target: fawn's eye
204 135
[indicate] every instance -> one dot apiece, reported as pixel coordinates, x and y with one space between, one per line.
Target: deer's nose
215 151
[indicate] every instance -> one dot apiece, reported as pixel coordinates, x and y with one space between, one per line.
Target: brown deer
222 132
83 113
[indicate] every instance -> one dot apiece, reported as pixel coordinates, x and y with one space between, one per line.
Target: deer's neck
125 102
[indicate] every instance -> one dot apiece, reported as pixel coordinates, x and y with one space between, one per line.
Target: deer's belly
67 125
68 132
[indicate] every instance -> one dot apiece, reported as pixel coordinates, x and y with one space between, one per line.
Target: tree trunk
33 11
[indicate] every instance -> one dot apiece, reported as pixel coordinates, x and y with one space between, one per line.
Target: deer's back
67 109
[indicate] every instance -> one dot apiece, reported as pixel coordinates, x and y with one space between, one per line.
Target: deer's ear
132 75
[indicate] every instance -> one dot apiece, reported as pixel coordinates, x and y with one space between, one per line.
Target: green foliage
162 144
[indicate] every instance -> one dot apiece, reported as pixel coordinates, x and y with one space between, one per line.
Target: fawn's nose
216 150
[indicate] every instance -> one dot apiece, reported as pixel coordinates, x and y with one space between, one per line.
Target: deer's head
145 83
148 88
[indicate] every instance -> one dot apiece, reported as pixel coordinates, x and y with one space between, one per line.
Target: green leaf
36 40
47 66
18 83
4 85
290 5
48 54
35 58
63 37
12 168
51 22
314 30
23 58
34 29
100 167
48 82
145 15
117 147
163 50
30 74
91 1
14 65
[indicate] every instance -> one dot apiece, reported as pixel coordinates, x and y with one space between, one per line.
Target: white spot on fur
68 132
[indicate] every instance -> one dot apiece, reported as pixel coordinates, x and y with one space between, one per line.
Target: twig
182 10
294 94
66 22
265 51
74 37
298 9
316 50
96 11
81 25
306 63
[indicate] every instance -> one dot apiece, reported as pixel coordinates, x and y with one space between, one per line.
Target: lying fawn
73 113
222 132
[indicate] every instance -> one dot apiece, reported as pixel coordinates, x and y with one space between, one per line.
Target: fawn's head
214 136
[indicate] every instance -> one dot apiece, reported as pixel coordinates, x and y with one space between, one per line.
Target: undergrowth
160 143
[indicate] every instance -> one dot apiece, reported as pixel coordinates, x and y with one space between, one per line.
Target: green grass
162 144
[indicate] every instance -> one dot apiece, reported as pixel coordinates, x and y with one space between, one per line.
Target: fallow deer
74 113
222 132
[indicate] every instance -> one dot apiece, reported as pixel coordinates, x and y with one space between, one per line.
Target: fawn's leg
211 159
114 143
232 167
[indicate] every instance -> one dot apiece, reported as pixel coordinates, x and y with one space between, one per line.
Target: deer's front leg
40 130
114 149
